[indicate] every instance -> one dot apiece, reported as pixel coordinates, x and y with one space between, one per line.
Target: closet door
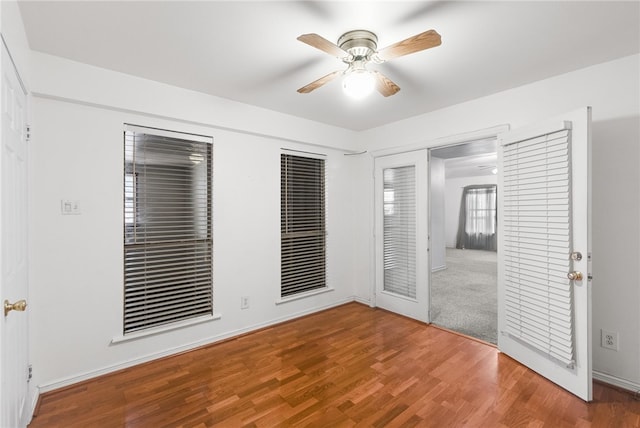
14 324
544 264
401 221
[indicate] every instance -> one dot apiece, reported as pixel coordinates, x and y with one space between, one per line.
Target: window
481 210
478 218
302 221
167 228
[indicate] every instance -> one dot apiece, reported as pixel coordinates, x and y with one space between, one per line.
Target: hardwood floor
347 366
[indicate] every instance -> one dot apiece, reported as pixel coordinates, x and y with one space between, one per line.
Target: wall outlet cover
609 339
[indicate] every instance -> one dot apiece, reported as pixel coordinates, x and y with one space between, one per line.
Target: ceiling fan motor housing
360 44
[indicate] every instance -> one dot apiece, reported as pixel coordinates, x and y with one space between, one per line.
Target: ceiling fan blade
317 83
419 42
384 85
323 44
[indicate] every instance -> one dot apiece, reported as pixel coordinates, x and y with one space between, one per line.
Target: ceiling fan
359 47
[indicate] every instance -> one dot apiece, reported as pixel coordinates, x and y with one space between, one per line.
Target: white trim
303 295
67 381
465 137
34 404
163 329
616 381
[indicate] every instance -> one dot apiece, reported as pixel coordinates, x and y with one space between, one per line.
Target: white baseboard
61 383
364 301
616 381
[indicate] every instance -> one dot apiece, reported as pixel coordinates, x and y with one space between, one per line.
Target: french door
13 251
401 240
544 241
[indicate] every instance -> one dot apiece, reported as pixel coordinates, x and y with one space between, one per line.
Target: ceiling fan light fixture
359 47
357 84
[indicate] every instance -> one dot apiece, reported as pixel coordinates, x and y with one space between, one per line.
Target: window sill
303 295
163 329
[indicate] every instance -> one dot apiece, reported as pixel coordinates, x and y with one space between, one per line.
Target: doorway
463 286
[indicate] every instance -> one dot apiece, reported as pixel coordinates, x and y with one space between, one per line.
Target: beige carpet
464 295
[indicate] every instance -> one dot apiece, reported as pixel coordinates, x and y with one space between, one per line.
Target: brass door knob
20 305
575 276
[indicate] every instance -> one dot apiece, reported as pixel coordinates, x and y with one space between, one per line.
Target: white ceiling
471 159
248 52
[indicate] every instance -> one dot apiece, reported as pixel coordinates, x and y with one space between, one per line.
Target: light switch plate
69 207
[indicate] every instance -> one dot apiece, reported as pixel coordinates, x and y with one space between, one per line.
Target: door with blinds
544 262
401 220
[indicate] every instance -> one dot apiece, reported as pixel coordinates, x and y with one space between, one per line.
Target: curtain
478 218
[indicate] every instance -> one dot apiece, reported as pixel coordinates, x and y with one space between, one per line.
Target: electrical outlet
244 302
609 339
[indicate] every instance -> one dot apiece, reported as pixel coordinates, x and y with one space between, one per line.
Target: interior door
401 236
13 251
544 241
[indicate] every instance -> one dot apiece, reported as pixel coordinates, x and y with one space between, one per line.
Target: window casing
167 228
302 221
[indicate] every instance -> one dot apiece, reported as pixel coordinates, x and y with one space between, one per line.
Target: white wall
13 33
438 214
58 78
453 199
613 90
77 261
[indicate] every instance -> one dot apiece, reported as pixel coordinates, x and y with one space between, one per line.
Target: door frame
451 140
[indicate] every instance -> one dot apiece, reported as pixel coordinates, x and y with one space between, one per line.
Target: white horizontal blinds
399 228
537 244
167 230
303 234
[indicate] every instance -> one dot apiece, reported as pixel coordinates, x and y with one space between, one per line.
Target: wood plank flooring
347 366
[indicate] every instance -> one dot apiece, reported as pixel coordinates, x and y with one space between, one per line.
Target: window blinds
399 229
537 244
167 229
302 221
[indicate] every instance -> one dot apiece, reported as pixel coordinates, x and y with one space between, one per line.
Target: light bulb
358 84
